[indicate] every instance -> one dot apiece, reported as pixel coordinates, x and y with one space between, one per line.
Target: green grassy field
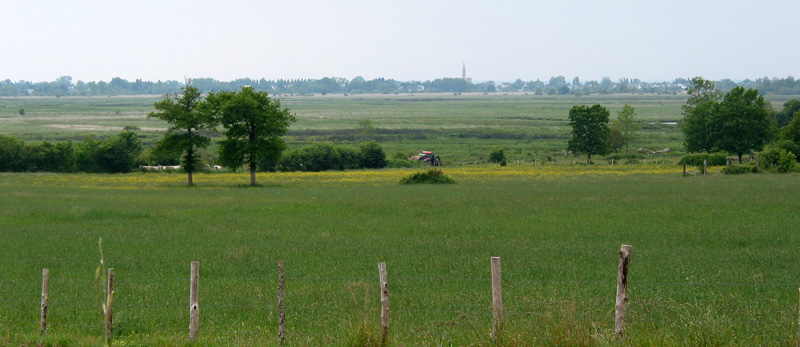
714 258
463 129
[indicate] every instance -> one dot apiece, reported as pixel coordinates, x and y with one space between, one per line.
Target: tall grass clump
431 176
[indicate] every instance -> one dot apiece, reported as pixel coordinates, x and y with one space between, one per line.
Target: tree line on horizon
559 85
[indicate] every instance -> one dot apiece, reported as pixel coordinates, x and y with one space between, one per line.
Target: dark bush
325 156
11 154
400 155
349 158
788 145
431 176
372 155
498 155
713 159
316 157
740 169
775 158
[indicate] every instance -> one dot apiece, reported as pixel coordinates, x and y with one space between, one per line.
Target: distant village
557 85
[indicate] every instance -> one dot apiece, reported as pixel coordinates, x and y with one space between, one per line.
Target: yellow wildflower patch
151 180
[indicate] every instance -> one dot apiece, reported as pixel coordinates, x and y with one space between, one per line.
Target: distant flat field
463 128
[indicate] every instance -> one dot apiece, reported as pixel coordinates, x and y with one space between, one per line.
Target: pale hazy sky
404 40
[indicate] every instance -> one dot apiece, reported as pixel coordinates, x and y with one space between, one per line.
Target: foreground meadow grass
714 258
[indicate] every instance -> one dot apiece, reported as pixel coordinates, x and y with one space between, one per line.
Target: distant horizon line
471 80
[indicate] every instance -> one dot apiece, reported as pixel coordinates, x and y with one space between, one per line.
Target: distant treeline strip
64 86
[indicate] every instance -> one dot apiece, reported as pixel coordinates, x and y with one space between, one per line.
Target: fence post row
384 302
194 309
109 307
281 305
497 299
622 291
45 285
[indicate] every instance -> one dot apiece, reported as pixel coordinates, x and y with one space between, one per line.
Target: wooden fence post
281 304
45 285
384 302
497 300
684 169
705 166
622 291
109 307
194 309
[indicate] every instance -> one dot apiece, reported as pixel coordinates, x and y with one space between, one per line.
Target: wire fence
420 305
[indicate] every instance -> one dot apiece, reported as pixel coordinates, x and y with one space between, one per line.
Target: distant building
464 73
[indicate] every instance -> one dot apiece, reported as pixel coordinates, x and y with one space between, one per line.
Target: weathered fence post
684 169
622 291
705 166
194 309
281 305
110 307
384 302
45 285
497 300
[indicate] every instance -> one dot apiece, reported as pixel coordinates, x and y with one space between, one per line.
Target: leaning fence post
281 305
45 285
497 300
384 302
109 307
194 310
622 291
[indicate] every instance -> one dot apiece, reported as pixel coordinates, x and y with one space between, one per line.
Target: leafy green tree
616 139
792 130
698 112
626 123
365 128
742 122
786 115
253 124
186 124
589 130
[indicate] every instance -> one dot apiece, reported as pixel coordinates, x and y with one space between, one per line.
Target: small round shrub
399 163
497 155
400 155
740 169
432 176
713 159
